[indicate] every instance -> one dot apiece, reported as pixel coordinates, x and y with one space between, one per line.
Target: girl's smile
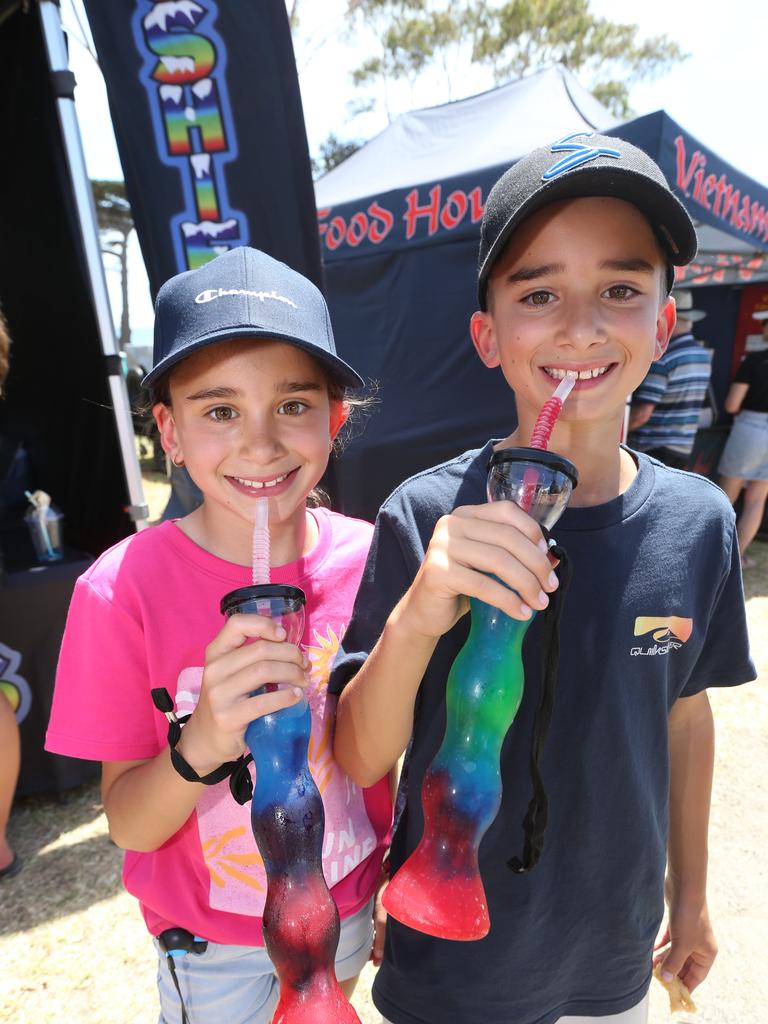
251 419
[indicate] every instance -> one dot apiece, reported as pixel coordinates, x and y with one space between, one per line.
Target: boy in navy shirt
578 245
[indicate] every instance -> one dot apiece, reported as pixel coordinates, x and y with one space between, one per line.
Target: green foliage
332 151
510 38
113 211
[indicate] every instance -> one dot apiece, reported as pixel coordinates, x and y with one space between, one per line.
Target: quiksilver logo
669 633
219 293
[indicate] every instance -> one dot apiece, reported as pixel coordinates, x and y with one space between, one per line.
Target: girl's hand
468 549
248 653
687 948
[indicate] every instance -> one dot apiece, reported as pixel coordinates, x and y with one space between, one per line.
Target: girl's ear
484 338
665 325
339 414
166 426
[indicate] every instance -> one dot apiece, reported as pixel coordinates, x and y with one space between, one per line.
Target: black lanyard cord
535 821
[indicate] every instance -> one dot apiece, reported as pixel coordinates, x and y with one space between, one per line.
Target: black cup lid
550 459
261 591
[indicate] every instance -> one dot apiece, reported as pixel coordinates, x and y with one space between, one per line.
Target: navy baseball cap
243 294
584 164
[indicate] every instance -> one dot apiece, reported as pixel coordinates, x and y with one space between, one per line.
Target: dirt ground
74 950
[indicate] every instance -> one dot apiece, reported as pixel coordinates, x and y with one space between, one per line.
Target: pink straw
542 431
545 421
260 543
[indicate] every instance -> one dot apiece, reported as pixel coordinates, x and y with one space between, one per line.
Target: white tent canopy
459 137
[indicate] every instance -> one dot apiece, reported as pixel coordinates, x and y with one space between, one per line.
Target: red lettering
683 176
336 232
757 217
448 219
414 211
321 215
477 205
721 185
358 228
699 176
375 233
709 184
728 200
744 213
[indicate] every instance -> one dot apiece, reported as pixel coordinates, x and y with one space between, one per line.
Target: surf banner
207 113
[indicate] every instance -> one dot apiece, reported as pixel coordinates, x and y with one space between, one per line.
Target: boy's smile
251 419
578 291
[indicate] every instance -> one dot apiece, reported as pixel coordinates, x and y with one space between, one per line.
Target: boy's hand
468 548
691 945
248 653
379 923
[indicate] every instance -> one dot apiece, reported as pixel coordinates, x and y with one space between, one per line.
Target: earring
177 460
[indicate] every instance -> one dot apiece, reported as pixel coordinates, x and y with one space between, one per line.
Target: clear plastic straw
260 543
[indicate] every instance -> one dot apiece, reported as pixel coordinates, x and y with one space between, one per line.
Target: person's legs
238 985
752 512
354 949
732 486
232 984
10 759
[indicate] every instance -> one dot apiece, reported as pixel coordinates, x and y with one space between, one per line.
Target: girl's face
250 419
578 289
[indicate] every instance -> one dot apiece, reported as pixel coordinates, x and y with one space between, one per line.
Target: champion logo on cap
217 293
578 154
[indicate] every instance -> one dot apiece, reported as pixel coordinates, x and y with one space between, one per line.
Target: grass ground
74 950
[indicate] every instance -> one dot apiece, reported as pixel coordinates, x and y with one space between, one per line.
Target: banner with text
207 112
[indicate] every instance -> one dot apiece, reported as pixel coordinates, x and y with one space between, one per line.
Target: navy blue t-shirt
655 612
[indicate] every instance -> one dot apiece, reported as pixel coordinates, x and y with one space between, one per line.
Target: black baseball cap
243 293
579 165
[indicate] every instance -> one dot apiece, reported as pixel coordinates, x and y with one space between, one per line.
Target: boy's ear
665 325
166 426
339 414
484 338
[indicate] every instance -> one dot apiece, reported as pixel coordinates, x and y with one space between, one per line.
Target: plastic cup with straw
41 501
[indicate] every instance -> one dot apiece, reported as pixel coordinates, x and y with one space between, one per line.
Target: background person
745 456
665 409
10 745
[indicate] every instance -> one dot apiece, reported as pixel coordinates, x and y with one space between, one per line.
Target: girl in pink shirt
249 396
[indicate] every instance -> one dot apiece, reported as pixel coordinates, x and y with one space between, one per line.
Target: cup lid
553 461
261 591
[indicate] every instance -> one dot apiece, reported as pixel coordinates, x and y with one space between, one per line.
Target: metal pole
86 214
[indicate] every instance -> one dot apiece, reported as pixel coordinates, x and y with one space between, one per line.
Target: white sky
719 94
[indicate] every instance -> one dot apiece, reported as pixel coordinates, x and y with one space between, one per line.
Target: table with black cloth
34 600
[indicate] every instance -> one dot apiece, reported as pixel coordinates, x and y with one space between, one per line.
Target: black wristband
186 771
162 701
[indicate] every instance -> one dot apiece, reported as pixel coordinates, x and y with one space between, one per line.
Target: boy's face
250 419
579 287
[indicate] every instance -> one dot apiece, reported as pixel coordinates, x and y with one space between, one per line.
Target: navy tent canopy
399 225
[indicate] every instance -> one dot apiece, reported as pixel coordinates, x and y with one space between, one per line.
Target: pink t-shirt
141 617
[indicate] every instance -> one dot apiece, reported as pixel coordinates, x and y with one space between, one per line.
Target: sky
718 94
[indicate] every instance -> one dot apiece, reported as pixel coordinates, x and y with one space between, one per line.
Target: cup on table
45 528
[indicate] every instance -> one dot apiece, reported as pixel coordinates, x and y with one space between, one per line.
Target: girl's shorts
237 984
637 1015
745 455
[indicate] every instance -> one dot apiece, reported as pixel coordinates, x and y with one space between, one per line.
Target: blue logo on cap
578 154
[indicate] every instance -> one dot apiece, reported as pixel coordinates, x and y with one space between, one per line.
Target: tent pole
86 215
